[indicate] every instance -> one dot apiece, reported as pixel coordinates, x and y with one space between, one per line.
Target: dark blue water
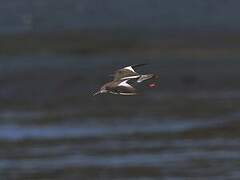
31 16
52 128
154 147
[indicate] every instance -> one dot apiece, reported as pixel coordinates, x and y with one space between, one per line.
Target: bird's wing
138 65
127 72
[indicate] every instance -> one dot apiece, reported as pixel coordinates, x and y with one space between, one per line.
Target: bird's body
120 84
120 87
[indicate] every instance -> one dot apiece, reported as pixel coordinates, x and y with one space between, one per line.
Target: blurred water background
55 54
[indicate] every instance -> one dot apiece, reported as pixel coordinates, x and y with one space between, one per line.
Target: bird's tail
145 77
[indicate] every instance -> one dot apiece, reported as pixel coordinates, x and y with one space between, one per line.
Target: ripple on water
21 132
120 147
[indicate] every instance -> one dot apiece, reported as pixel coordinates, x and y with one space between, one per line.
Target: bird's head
101 91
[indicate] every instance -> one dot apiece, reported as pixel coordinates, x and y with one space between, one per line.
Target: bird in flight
121 81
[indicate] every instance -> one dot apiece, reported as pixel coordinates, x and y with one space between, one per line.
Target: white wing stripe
129 68
125 84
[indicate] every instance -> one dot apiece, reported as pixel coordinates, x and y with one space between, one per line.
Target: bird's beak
99 92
